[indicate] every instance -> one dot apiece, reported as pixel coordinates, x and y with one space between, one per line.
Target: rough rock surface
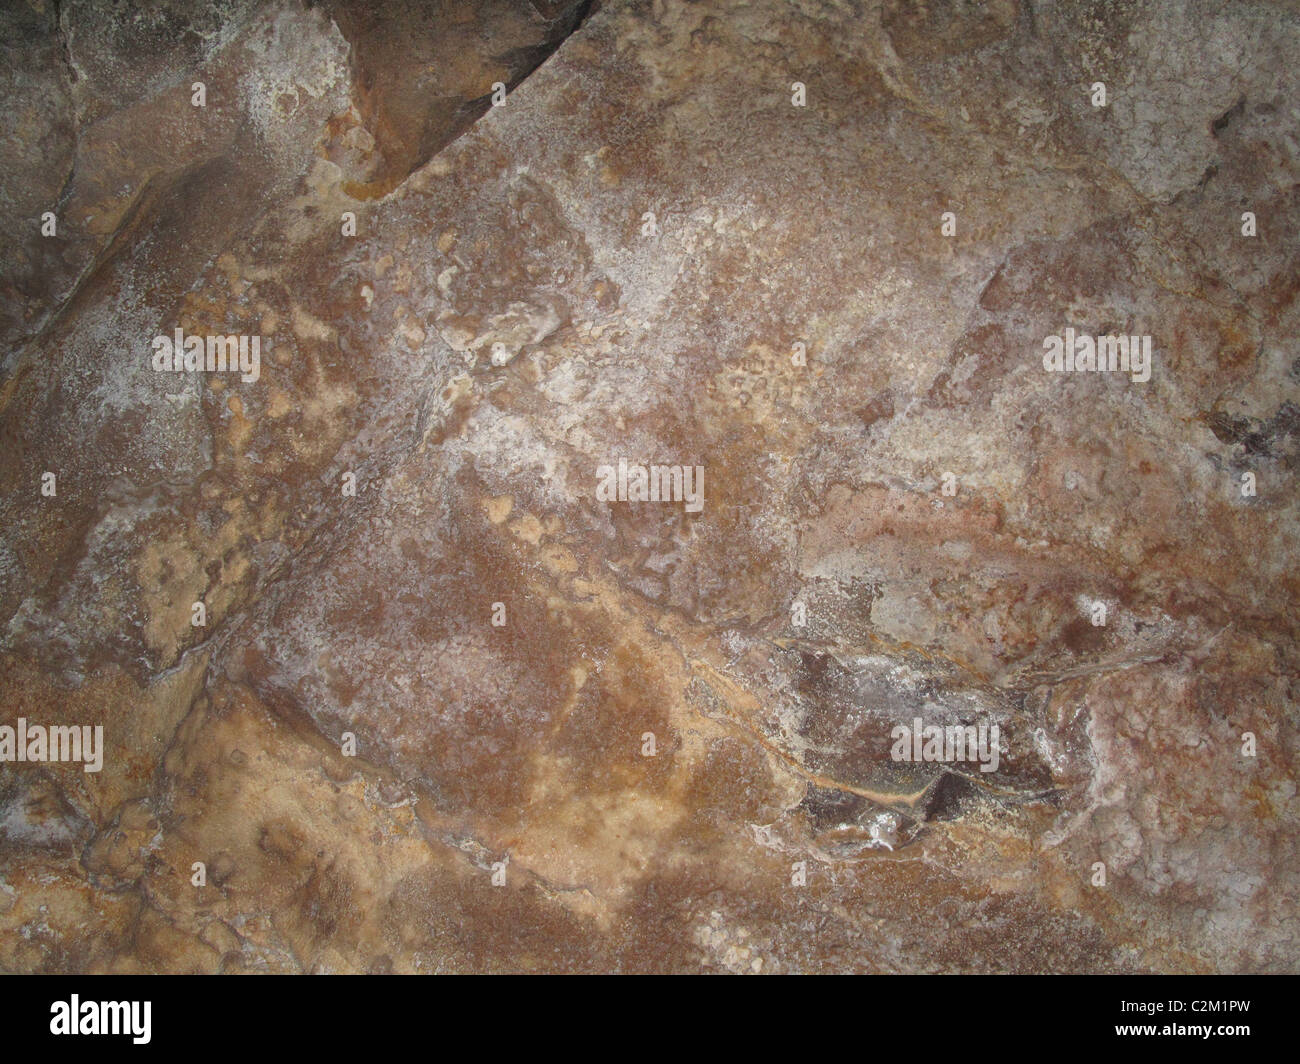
476 716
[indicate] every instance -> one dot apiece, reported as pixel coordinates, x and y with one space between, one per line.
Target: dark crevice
1228 117
423 71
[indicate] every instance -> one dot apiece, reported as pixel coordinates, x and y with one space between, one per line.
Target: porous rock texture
476 715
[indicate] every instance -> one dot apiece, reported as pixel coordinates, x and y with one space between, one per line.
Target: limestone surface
667 418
